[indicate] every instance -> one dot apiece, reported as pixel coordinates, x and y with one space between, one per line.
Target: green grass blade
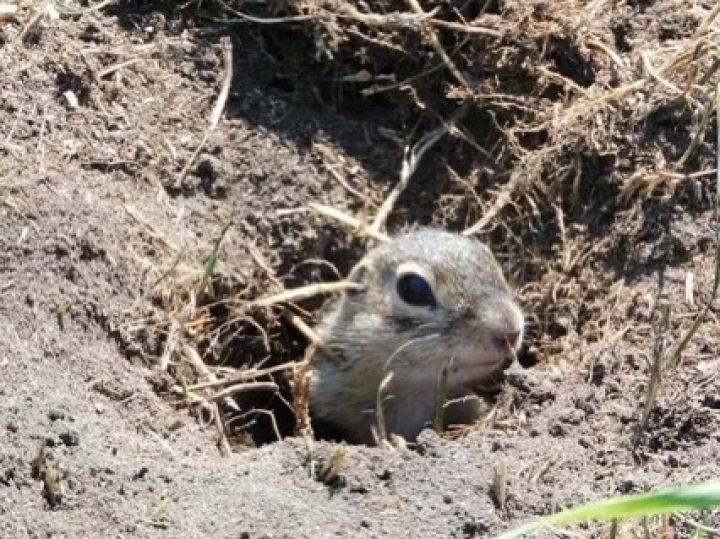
675 500
212 260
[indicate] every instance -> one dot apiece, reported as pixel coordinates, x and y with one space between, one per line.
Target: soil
104 231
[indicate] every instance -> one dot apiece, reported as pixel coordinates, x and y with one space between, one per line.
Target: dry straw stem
411 159
655 372
305 292
37 15
94 7
217 109
116 67
500 485
240 376
564 122
212 261
358 226
435 42
643 183
224 396
303 328
170 345
379 430
674 360
263 20
347 11
664 362
152 230
309 334
244 388
699 133
301 393
223 443
191 355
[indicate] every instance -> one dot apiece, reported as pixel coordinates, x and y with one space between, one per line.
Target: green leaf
675 500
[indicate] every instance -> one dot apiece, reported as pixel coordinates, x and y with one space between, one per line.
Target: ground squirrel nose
508 332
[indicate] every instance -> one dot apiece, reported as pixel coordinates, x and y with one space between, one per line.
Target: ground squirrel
429 299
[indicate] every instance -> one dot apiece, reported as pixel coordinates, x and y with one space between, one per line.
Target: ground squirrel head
429 299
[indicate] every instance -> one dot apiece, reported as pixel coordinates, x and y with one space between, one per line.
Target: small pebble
56 415
712 400
70 438
142 472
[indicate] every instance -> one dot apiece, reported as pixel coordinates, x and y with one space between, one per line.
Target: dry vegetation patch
570 135
193 181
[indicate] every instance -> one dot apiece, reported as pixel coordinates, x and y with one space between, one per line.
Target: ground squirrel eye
415 290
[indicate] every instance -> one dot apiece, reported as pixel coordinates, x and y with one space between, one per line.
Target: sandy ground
93 209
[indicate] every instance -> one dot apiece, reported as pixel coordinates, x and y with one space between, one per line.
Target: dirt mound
576 139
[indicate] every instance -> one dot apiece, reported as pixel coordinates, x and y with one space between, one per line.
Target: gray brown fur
371 332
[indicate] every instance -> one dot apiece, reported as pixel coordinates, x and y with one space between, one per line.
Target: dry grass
559 99
572 154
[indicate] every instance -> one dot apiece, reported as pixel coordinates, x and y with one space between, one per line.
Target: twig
243 388
502 199
305 292
303 328
356 224
89 9
170 345
115 67
223 443
607 50
435 42
392 20
196 361
264 20
163 443
301 395
411 159
656 371
647 63
465 28
242 375
697 138
30 24
674 359
150 229
273 421
347 11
